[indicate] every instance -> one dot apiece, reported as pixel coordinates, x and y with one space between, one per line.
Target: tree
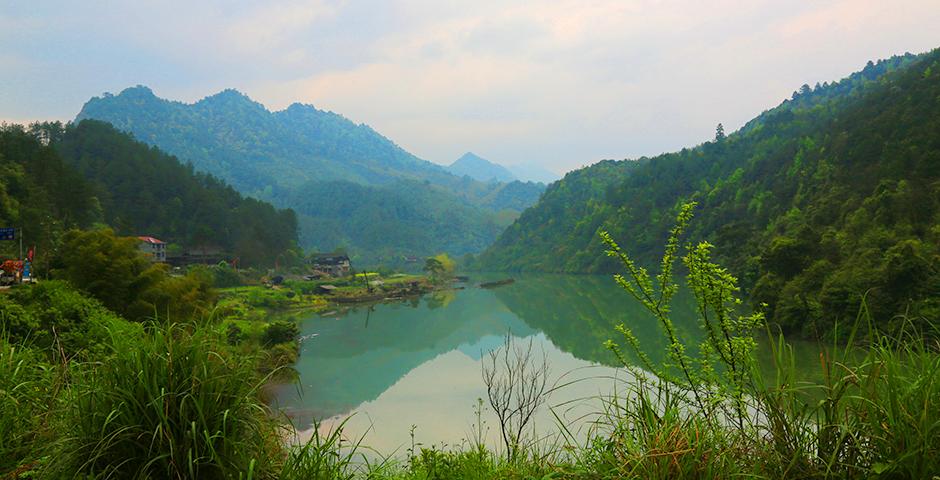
516 385
719 133
113 270
440 267
108 267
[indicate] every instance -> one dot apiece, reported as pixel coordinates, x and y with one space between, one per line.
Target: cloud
561 83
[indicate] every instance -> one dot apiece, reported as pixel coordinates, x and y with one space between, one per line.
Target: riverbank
261 320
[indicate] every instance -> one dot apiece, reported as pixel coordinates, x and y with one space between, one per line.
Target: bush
226 276
280 331
52 314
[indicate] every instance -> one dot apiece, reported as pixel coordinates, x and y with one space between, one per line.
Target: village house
199 255
153 248
334 264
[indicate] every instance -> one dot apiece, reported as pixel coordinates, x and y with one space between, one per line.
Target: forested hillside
286 156
830 196
387 224
58 178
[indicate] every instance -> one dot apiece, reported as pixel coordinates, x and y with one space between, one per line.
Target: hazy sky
560 83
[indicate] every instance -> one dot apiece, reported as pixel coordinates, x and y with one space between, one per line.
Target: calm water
392 366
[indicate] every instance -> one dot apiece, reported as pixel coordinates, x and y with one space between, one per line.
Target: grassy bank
177 402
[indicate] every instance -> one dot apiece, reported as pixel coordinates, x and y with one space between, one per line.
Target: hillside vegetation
292 156
87 175
831 196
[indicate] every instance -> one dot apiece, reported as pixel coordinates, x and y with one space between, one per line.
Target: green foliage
54 317
40 193
280 331
440 267
349 185
801 202
114 271
383 224
144 191
26 393
873 415
173 405
720 376
323 457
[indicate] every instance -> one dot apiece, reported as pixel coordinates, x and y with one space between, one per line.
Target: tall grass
876 412
173 405
26 392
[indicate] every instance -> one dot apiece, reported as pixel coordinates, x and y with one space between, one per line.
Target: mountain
481 169
57 178
831 196
231 136
298 154
387 224
533 173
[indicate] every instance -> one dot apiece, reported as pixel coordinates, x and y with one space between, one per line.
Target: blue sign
7 234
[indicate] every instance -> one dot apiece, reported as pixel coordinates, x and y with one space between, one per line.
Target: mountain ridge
288 155
800 203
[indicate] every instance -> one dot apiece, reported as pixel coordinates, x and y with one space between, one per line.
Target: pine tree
719 133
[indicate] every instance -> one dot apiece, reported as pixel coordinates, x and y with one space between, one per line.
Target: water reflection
418 362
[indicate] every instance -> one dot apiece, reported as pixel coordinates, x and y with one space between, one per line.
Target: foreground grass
181 403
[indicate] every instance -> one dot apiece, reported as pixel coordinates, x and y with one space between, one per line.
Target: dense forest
829 197
287 156
89 175
390 224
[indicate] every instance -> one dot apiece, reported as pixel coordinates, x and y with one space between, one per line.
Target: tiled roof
150 240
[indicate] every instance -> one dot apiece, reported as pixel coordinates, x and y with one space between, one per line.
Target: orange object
11 266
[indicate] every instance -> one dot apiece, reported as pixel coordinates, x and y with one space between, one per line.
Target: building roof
151 240
329 258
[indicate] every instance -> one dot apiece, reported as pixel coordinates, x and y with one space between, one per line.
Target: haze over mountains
479 168
343 179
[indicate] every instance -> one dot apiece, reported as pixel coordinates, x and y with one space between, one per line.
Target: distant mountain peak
230 96
479 168
470 156
137 91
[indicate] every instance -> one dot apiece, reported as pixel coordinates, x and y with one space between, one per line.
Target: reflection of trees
354 358
440 298
579 312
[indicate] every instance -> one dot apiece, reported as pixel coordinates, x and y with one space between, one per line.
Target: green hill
286 156
57 178
830 196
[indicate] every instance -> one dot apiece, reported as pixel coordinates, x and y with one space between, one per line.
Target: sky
556 83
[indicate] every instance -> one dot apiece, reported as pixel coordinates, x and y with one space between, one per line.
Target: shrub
280 331
54 314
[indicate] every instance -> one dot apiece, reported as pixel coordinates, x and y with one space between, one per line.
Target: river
393 366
